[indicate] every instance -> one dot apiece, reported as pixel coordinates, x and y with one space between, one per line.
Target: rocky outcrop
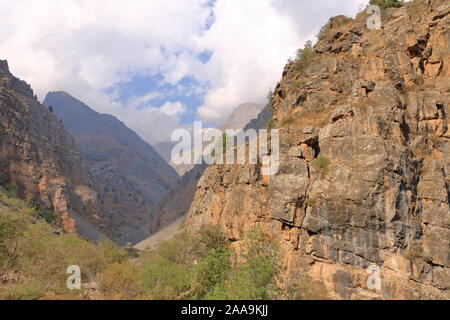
129 175
363 192
39 157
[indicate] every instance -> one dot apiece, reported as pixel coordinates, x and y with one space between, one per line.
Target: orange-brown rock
363 189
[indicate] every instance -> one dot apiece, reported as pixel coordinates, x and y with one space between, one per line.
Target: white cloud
252 41
86 46
172 108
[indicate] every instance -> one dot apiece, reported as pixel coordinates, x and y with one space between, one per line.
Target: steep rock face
363 189
177 202
130 176
40 157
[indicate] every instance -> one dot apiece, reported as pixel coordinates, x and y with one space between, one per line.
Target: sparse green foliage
165 279
288 121
305 55
49 216
11 226
211 271
120 281
310 202
27 290
270 96
321 164
253 278
13 191
326 28
387 3
30 247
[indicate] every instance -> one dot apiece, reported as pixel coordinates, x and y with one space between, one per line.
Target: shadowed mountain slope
130 174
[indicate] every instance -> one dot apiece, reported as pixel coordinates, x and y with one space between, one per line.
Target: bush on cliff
387 3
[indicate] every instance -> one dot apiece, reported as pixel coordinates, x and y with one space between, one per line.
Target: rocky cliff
361 200
130 176
39 157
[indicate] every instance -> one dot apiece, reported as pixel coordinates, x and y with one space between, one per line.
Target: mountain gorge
359 207
130 175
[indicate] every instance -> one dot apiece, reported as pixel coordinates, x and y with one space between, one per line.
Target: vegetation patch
321 164
270 96
191 266
387 3
310 202
324 31
288 120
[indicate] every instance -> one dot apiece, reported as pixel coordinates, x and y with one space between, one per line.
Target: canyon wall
363 189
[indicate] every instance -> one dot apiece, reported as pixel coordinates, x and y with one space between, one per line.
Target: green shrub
270 96
28 290
288 121
8 196
110 253
209 237
163 279
387 3
48 216
211 271
326 28
321 164
253 278
310 202
12 190
305 56
120 281
11 227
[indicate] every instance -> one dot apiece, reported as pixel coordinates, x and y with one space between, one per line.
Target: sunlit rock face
364 183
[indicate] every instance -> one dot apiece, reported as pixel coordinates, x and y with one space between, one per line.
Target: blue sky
183 91
160 64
